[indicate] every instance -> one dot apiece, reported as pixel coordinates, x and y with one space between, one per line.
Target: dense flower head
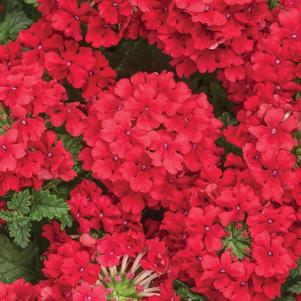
118 266
152 129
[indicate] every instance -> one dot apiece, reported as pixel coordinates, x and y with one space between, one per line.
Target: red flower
86 292
54 234
69 113
167 150
156 258
78 267
10 55
139 172
31 164
277 174
273 220
204 222
68 17
41 39
111 12
24 291
239 201
278 132
105 214
147 104
191 258
241 289
6 293
30 129
121 136
58 162
219 272
272 59
110 252
270 255
73 64
100 76
210 14
102 34
10 150
16 87
52 266
106 164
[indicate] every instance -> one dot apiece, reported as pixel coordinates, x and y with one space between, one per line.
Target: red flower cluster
102 269
153 139
229 226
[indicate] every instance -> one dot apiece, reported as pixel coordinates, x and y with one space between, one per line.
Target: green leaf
295 288
273 4
20 202
46 205
26 207
237 240
218 97
17 263
296 272
6 215
286 298
129 57
292 284
184 291
227 119
18 223
31 2
20 230
66 221
13 22
5 121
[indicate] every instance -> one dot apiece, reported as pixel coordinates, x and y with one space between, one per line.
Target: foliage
292 285
14 19
273 4
237 240
31 2
28 206
17 263
184 291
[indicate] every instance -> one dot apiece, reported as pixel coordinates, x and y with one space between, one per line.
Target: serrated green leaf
20 202
13 22
66 221
295 288
16 263
46 205
184 291
6 215
18 223
19 229
237 240
26 206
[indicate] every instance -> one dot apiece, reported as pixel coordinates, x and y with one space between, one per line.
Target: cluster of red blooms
149 139
151 143
122 266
